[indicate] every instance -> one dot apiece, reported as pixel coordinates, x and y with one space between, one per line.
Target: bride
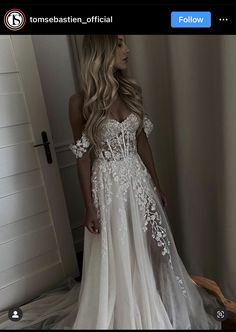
132 277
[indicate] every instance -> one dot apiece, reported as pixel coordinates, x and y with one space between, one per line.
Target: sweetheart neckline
122 120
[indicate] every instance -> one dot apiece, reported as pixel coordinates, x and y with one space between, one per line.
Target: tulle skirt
133 277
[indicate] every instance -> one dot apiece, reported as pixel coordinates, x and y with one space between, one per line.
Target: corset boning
118 147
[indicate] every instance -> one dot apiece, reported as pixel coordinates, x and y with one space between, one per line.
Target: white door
36 244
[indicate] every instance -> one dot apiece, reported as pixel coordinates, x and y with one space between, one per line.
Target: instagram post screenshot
117 166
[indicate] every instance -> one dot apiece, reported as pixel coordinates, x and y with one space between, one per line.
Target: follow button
190 19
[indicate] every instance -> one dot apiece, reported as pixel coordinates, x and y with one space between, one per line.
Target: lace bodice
117 139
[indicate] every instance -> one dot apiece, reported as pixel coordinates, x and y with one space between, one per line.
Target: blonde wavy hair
101 83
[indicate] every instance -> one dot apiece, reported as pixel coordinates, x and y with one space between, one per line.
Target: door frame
37 112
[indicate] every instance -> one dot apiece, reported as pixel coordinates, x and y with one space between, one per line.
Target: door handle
46 146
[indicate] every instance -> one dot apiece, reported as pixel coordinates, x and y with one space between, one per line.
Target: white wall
59 83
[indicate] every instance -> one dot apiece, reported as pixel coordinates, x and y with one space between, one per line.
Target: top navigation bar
117 19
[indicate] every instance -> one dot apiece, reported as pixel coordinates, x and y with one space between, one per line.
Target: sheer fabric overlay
133 277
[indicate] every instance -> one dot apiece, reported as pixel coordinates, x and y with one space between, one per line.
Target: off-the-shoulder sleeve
80 146
147 124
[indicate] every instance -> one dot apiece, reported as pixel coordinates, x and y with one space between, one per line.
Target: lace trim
147 125
81 146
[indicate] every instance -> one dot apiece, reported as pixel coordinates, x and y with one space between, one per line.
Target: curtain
188 89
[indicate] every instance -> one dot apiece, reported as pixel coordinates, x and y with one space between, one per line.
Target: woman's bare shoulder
76 99
76 106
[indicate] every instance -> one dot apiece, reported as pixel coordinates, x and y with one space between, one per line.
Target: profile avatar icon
15 314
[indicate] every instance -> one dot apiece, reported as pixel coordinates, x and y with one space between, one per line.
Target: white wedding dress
133 277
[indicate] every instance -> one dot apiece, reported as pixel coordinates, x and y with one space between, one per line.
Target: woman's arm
145 152
83 163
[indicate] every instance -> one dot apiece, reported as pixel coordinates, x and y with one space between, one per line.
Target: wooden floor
211 286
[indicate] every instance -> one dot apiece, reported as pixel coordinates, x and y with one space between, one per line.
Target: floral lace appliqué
81 146
147 125
153 219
